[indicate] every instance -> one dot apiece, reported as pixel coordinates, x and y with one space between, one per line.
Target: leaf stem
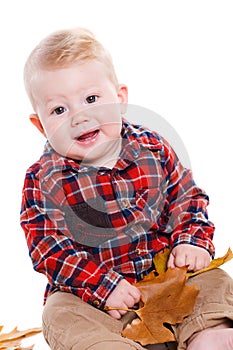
109 308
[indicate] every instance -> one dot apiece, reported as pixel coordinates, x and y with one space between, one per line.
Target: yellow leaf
214 263
160 261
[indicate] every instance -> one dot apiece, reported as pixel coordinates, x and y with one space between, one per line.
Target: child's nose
79 118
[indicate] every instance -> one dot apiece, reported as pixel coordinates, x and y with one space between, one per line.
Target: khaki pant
71 324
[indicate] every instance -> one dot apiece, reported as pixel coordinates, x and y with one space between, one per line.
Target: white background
176 58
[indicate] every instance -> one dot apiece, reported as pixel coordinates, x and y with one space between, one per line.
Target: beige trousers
71 324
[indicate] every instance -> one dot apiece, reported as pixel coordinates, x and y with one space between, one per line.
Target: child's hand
195 258
124 296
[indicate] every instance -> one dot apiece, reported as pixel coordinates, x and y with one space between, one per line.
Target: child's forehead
79 67
75 77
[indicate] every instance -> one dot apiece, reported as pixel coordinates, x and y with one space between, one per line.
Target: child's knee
69 323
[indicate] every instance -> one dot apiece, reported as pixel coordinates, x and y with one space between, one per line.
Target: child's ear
123 97
37 123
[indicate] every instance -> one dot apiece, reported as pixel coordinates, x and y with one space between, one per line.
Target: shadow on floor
166 346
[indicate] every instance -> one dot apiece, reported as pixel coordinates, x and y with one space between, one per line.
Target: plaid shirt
87 228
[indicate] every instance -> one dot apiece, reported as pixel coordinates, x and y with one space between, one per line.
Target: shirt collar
145 137
52 162
134 138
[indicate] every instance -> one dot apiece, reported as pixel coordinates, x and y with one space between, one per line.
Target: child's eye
59 110
91 99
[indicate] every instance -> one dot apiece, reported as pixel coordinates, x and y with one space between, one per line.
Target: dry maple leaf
166 300
214 263
160 262
13 339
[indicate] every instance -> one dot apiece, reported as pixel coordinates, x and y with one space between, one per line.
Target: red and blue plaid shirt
87 228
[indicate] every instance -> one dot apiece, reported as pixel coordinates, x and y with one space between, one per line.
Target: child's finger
171 261
135 294
191 263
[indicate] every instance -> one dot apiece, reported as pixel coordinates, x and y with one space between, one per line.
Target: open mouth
88 136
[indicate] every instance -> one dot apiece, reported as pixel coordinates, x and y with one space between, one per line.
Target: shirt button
136 153
96 302
138 251
83 170
125 203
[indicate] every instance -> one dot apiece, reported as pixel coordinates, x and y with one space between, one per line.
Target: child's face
79 111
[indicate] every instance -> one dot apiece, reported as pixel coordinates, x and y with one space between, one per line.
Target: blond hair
64 48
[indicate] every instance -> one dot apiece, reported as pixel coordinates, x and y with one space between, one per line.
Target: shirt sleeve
184 216
68 266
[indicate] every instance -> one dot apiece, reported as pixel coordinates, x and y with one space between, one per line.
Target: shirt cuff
108 284
186 238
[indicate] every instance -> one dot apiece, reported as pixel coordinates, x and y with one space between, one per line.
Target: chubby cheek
112 130
55 130
107 115
59 139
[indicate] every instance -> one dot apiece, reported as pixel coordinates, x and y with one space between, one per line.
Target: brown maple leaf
166 300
